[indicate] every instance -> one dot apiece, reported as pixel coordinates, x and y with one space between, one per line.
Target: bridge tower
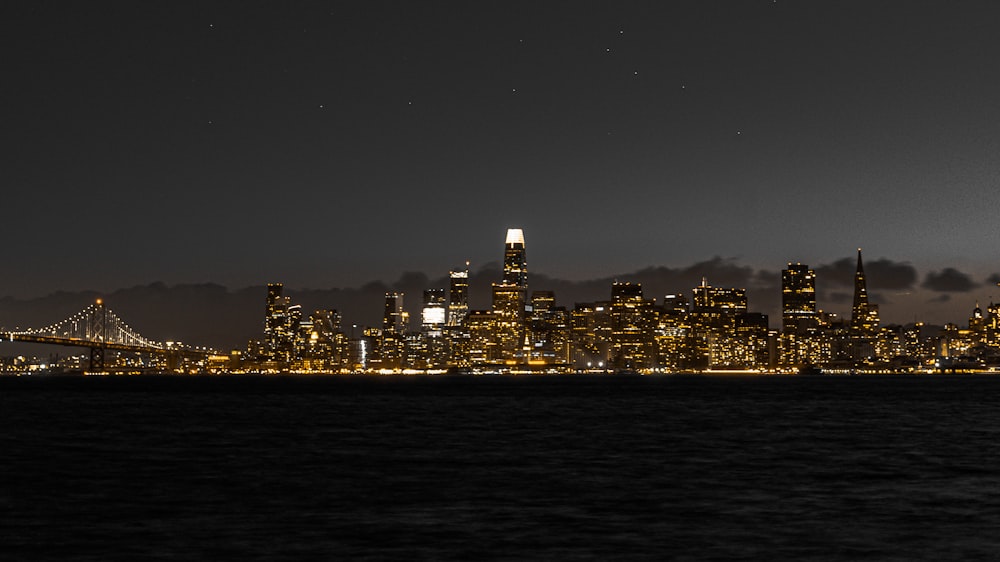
99 335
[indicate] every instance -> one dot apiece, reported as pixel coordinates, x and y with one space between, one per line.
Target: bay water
500 467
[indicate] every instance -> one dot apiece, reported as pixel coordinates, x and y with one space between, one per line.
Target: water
505 468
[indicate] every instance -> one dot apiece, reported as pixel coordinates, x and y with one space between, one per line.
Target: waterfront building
673 334
480 342
799 317
508 322
391 348
750 348
713 319
549 335
590 326
433 323
280 326
632 319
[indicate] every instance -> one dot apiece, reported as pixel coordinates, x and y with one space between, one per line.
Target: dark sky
329 144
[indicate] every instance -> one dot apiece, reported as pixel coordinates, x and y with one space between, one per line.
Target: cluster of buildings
527 332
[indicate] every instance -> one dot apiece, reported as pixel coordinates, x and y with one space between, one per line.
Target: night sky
328 144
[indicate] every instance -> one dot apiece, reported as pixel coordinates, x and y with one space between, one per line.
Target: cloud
948 280
887 274
943 297
839 273
837 297
879 274
993 279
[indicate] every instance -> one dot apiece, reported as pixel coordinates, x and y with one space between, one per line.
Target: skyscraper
458 298
515 265
798 299
395 318
432 316
632 316
392 344
278 329
509 298
864 318
799 318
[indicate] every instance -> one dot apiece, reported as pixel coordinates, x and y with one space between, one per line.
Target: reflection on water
500 467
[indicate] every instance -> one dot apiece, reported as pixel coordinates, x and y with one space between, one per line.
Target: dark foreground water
672 467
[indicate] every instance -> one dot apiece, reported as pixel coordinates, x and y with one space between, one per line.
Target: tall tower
458 298
278 329
509 298
864 318
515 265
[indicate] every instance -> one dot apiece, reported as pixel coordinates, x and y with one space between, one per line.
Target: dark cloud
993 279
948 280
879 274
839 273
838 297
213 315
944 297
887 274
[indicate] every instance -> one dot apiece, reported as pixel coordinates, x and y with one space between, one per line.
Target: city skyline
904 293
717 327
333 146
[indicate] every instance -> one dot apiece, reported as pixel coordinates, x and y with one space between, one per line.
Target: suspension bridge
101 330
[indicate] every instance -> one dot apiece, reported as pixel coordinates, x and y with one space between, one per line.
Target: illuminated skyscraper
632 320
515 265
433 314
509 299
864 317
548 329
508 317
800 345
713 316
395 318
279 333
392 347
798 299
458 298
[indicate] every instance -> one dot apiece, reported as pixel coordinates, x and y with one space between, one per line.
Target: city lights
713 330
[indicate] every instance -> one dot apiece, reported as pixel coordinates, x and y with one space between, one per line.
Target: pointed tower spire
859 310
864 316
